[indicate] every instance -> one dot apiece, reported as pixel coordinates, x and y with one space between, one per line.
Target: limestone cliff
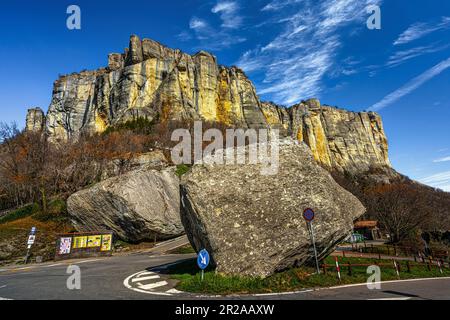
339 139
35 121
152 81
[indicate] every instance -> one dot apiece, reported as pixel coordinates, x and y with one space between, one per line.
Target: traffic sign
203 259
31 239
309 215
30 242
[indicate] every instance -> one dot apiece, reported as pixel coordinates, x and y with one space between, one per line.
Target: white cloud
297 60
402 56
440 180
211 38
445 159
279 4
412 85
228 11
197 24
184 36
421 29
217 38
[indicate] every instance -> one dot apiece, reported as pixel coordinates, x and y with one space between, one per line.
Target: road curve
104 279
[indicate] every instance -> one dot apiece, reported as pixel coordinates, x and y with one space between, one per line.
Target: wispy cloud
440 180
184 36
229 13
421 29
411 85
445 159
212 38
297 60
275 5
403 56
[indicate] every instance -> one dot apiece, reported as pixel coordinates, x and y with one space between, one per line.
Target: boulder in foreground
136 206
252 224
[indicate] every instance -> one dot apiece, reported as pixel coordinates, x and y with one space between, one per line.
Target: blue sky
291 49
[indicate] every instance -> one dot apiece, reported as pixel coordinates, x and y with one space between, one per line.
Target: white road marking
127 285
175 291
389 299
24 268
145 273
153 285
4 299
85 261
1 287
54 265
145 278
281 293
385 282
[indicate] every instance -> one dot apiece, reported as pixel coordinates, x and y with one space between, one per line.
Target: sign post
309 215
203 261
30 242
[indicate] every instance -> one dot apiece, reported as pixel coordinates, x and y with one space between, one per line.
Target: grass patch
20 213
189 276
187 249
182 170
56 211
15 228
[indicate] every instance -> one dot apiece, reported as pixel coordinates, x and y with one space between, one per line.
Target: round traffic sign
309 215
203 259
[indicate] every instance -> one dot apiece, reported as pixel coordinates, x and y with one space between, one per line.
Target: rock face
155 82
252 224
137 206
35 121
339 139
151 80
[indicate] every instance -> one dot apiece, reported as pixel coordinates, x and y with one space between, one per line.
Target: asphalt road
117 278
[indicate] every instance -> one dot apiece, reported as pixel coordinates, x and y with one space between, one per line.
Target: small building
368 228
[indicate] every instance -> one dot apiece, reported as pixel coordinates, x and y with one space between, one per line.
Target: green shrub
182 170
20 213
56 211
138 125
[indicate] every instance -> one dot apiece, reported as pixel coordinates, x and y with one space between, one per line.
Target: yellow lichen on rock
100 124
224 105
321 152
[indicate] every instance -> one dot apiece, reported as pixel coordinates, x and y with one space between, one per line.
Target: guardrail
397 250
398 265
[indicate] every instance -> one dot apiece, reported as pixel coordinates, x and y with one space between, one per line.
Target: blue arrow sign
203 259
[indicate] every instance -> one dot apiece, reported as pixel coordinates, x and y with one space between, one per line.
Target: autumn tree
400 208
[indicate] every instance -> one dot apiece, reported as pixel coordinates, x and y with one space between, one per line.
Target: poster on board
64 245
79 242
106 242
94 241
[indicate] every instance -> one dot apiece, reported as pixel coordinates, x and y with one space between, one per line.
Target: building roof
366 224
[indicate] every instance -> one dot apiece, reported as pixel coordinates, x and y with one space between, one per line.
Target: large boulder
136 206
252 224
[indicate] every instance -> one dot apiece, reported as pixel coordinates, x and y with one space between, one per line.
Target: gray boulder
252 224
136 206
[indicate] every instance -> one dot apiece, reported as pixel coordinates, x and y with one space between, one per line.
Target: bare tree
400 209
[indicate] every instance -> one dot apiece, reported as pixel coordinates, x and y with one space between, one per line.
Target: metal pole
203 274
311 228
28 254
